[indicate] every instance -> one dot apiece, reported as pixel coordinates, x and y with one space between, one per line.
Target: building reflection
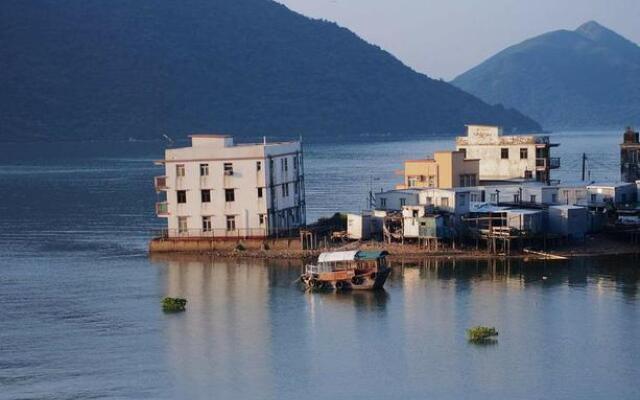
220 341
248 321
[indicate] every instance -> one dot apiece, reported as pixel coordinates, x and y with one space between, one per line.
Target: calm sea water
80 297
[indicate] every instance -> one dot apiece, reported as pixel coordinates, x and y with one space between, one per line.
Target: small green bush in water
480 334
173 304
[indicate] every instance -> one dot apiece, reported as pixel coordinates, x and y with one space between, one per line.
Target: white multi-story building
216 188
508 157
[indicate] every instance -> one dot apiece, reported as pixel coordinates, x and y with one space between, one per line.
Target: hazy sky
443 38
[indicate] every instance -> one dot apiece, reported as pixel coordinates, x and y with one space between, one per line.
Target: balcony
162 209
550 163
160 183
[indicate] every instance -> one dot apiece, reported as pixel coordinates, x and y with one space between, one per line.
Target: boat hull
368 281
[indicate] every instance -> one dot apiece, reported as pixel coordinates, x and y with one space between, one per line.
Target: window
431 181
180 171
258 165
296 187
182 224
504 153
286 163
205 196
554 198
229 195
412 180
228 168
593 198
528 174
261 219
464 152
429 201
295 162
414 213
524 154
403 202
206 224
444 202
473 197
259 193
204 169
285 189
533 198
231 222
493 197
182 196
516 198
271 164
467 180
462 200
383 202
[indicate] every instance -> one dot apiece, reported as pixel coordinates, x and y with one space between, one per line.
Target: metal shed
569 221
531 221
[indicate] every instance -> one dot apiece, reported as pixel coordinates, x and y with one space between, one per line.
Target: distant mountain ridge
120 68
586 78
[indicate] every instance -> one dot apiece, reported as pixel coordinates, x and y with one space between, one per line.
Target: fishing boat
347 270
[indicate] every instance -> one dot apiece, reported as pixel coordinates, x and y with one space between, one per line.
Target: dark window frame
181 196
229 195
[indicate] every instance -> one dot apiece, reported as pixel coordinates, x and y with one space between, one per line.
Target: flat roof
407 191
523 211
209 135
610 184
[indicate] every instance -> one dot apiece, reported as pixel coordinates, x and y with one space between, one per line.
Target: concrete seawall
202 245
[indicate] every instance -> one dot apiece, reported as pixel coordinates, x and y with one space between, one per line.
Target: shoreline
594 246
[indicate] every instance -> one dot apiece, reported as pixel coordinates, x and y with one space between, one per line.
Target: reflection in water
251 332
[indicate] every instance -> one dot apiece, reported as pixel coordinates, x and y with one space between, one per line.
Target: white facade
615 193
507 157
218 188
394 200
527 193
359 226
456 200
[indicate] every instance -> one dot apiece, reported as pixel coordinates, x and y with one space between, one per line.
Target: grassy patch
173 304
482 334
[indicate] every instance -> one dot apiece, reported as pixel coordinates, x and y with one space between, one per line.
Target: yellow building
447 169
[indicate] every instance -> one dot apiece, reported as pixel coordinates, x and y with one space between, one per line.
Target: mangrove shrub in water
481 334
173 304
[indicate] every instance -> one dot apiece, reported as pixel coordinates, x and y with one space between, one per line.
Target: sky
444 38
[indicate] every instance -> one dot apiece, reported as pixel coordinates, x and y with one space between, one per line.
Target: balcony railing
162 209
160 183
550 162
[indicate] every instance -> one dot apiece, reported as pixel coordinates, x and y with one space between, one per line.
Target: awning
371 254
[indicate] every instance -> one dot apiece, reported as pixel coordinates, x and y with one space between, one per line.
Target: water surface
81 315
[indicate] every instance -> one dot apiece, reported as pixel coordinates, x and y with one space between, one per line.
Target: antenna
164 135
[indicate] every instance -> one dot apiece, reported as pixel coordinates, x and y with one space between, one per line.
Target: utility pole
584 165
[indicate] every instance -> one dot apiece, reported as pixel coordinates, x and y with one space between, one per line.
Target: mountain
586 78
122 68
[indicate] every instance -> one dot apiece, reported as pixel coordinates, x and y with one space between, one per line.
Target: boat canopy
355 255
337 256
371 254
